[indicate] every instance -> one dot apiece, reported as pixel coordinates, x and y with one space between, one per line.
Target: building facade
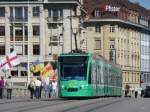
37 30
145 60
114 29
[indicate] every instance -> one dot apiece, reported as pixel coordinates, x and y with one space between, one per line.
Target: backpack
31 85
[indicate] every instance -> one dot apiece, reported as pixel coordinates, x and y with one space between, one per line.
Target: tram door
106 80
96 76
94 80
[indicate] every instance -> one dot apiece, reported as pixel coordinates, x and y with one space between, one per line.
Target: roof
90 5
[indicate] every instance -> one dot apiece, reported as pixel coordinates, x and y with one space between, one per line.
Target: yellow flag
47 71
36 68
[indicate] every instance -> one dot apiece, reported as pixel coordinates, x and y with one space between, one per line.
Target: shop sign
109 8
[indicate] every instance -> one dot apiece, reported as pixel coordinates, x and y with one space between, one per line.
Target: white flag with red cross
9 61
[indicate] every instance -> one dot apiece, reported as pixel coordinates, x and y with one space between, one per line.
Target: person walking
37 88
31 88
50 89
142 93
9 86
1 87
46 87
136 94
54 88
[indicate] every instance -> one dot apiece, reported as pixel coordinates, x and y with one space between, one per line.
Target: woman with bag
31 88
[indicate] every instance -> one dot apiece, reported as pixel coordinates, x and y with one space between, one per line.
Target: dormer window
97 13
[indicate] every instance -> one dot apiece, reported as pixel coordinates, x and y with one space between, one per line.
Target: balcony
55 20
18 19
19 38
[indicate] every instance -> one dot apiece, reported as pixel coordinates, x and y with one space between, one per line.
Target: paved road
84 105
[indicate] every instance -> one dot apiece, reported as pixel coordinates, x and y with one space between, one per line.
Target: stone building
37 30
115 29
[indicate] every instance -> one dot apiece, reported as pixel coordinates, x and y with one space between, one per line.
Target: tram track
25 100
14 101
51 105
37 105
104 103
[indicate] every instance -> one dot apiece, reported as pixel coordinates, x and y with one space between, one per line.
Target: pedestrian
54 88
136 94
46 87
31 88
37 88
9 86
142 93
50 89
41 87
1 87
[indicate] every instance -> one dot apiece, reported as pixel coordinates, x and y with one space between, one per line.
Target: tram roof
75 54
98 56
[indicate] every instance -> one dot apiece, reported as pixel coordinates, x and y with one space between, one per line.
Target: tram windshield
73 72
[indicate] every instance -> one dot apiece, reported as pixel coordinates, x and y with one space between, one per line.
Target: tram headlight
82 86
62 86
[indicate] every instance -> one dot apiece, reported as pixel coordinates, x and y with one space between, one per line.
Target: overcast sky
145 3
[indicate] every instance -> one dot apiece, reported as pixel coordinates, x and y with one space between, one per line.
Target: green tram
88 75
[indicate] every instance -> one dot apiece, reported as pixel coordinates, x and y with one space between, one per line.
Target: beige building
123 42
113 30
36 30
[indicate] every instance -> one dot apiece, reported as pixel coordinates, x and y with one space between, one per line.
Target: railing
55 19
19 38
17 92
22 92
19 19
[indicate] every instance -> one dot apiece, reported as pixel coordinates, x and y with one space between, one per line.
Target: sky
145 3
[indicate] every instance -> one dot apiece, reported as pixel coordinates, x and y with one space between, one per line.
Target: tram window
99 73
94 73
73 59
73 72
89 80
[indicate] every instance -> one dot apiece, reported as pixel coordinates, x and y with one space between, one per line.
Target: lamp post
28 58
75 31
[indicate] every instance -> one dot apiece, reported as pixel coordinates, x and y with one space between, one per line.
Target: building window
25 12
2 49
36 11
11 48
112 28
18 13
55 12
14 73
2 12
36 30
18 32
97 44
36 49
97 12
2 30
26 49
23 73
112 44
54 40
97 28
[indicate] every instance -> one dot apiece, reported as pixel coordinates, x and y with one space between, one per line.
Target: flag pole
28 58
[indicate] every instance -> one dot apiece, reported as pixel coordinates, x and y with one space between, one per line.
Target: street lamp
75 31
28 58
